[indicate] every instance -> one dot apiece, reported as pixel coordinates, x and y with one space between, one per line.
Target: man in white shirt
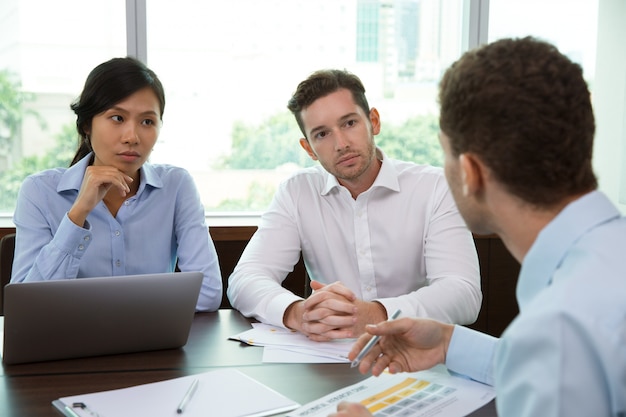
376 234
517 132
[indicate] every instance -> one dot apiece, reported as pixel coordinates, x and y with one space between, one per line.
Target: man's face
341 136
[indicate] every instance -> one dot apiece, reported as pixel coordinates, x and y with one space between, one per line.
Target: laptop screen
74 318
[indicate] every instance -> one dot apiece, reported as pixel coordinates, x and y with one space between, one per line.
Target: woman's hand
97 182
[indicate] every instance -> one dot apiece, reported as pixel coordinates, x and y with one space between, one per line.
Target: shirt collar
387 176
72 178
555 240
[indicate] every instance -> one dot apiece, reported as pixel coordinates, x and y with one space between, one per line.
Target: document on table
218 393
287 346
430 393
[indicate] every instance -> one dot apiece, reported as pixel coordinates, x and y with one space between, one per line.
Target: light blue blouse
164 222
565 354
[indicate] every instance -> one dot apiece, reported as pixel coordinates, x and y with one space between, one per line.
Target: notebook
74 318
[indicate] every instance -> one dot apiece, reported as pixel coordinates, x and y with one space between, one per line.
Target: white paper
224 393
274 354
420 394
287 346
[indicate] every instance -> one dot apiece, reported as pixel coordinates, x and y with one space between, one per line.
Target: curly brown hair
525 109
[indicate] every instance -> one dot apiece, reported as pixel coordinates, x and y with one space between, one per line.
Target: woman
111 212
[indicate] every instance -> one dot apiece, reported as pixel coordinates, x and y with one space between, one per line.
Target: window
571 25
46 51
228 69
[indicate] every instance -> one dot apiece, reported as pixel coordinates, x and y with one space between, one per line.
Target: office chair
7 250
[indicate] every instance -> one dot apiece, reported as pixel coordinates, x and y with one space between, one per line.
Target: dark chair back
7 250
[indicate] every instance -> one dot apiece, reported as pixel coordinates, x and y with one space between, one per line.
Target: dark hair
108 84
322 83
525 109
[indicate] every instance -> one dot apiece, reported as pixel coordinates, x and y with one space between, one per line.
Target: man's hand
406 345
332 312
348 409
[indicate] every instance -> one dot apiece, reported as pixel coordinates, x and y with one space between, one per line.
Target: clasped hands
332 312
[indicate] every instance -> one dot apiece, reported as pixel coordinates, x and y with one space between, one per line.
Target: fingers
379 357
336 287
99 178
124 186
391 327
97 182
334 297
333 311
316 285
330 327
330 312
323 307
350 409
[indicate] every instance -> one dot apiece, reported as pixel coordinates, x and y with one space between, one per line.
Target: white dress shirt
565 354
402 242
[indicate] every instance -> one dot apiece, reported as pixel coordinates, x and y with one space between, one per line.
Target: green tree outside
271 144
274 142
416 140
60 155
11 109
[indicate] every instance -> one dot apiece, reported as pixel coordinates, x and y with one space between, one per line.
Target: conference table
28 389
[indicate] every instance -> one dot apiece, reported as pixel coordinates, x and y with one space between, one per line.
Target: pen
371 343
187 397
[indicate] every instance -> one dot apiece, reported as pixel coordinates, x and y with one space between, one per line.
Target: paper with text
419 394
289 346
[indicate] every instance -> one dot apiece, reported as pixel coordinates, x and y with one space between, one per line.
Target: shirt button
81 247
86 238
126 202
368 288
117 233
118 263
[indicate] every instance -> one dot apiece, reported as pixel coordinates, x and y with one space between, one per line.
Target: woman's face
124 135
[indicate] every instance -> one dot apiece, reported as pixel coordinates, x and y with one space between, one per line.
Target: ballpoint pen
187 397
371 343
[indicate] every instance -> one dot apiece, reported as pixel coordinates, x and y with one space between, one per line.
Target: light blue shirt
162 223
565 354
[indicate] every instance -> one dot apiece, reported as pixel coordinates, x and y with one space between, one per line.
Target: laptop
75 318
